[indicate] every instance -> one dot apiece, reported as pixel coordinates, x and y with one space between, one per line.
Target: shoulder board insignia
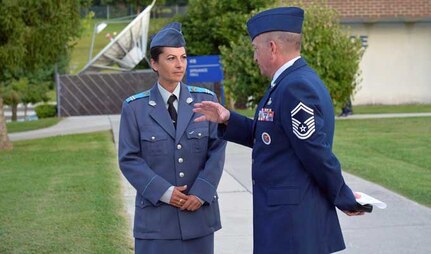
138 96
195 89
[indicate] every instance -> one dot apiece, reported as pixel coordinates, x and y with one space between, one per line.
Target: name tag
266 115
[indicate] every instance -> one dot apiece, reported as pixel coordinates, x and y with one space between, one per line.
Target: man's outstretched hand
211 111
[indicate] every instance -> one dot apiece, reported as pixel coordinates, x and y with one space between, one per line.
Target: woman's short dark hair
155 53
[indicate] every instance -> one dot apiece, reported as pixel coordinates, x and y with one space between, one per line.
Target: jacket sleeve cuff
346 200
204 190
166 197
155 189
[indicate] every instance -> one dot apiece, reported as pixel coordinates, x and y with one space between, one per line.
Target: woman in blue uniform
173 162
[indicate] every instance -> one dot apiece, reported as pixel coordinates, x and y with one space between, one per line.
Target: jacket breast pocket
198 139
283 196
154 143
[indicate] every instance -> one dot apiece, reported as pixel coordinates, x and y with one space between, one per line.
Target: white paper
367 199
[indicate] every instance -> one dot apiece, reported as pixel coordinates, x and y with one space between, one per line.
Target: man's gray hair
286 38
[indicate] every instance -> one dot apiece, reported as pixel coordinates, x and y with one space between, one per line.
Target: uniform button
179 147
254 141
253 182
181 174
199 134
153 138
180 160
252 161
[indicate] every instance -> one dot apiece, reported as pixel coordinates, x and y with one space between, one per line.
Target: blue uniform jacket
153 156
297 181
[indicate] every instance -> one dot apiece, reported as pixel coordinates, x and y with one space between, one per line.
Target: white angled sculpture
127 49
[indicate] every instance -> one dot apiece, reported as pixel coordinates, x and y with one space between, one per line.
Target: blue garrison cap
288 19
169 36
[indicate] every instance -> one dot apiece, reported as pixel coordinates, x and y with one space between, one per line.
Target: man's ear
274 48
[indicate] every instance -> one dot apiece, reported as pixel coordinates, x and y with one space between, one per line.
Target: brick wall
412 10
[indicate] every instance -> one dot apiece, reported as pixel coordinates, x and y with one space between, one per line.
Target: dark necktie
171 109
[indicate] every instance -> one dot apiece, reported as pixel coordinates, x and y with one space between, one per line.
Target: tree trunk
25 111
14 108
5 144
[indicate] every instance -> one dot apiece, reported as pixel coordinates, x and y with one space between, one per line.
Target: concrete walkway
404 227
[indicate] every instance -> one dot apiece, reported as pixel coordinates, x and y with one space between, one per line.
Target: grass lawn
62 195
395 153
370 109
378 109
31 125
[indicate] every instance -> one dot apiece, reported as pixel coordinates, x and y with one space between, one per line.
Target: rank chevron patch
302 121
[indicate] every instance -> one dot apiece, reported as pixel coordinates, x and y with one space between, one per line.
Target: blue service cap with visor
169 36
287 19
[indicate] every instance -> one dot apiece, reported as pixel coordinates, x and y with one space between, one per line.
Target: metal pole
93 37
58 90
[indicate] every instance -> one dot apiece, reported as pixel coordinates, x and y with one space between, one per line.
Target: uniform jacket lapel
159 112
185 111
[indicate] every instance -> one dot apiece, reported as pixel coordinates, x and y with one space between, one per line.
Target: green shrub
46 110
209 24
326 46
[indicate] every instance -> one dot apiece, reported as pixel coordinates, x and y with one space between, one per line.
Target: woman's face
171 66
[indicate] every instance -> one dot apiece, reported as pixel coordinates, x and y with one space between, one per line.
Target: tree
325 45
12 94
5 144
11 54
331 52
209 24
34 37
243 81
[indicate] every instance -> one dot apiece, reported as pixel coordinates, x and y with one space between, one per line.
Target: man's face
171 65
262 54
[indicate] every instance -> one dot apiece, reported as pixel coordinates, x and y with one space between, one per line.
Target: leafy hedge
46 110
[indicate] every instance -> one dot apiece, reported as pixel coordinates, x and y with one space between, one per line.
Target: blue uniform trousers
201 245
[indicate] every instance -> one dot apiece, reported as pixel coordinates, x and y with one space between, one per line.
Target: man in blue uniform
173 162
297 180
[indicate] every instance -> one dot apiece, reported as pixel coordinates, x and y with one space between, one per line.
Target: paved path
404 227
69 125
